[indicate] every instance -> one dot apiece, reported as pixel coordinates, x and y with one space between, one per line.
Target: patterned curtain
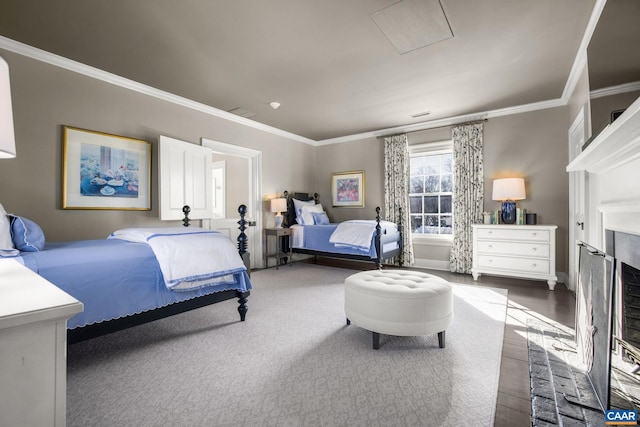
468 193
396 189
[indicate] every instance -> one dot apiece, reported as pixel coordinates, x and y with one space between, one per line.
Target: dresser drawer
512 234
514 248
513 263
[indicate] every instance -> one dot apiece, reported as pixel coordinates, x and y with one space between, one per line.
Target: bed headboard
290 217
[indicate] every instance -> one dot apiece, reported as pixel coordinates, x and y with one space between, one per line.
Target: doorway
577 196
247 174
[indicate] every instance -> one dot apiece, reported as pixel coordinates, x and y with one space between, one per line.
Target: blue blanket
112 278
316 237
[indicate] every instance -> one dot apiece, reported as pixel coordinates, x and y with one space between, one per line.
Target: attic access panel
413 24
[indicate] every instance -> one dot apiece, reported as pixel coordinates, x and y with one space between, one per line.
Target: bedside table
279 234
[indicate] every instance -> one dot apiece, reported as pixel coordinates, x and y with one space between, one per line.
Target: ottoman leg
441 339
348 321
376 340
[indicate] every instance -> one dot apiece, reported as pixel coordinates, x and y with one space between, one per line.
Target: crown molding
449 121
98 74
580 60
615 90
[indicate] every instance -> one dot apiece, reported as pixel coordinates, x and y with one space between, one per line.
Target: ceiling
336 67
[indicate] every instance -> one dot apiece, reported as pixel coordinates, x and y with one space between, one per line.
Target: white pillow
6 243
298 204
307 213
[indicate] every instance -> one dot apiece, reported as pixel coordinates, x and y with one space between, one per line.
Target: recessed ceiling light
426 113
274 105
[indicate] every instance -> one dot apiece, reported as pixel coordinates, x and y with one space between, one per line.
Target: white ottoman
399 302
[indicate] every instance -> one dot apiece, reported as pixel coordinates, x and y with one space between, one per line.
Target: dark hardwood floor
526 299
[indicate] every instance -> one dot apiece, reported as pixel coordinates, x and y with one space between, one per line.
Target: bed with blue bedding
142 274
362 240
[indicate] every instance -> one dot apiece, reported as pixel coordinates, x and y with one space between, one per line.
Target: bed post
316 198
242 250
186 209
377 240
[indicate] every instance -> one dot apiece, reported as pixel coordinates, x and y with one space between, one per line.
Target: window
431 189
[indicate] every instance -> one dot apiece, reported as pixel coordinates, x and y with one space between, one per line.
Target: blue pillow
320 218
27 236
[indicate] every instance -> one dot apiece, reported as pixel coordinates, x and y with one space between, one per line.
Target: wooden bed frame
380 238
102 328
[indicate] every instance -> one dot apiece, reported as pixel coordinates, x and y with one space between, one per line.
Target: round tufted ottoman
398 302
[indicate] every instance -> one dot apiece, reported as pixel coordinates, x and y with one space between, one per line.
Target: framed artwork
104 171
347 189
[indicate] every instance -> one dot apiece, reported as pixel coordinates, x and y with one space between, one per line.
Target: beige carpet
294 362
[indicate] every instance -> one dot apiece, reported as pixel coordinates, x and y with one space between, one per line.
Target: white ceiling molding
77 67
615 90
449 121
581 56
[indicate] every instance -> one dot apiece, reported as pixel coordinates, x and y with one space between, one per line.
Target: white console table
523 251
33 347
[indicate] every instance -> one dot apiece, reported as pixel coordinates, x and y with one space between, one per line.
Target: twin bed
374 241
139 275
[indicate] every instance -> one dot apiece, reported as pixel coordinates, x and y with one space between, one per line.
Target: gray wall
531 145
45 98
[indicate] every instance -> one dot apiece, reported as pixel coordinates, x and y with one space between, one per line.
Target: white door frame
254 205
577 196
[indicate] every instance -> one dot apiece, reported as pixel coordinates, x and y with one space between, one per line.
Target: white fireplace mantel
617 144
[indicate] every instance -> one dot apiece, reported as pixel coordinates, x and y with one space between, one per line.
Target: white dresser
524 251
33 347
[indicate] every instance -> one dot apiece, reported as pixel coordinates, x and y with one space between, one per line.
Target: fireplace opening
624 356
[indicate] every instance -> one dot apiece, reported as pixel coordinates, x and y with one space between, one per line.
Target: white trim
77 67
580 60
431 147
615 90
445 240
431 264
450 121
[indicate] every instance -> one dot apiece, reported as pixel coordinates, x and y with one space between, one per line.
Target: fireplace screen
593 318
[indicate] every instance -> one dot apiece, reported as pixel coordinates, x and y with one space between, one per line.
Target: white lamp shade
509 189
278 205
7 135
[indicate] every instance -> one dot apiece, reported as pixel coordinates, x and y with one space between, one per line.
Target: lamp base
508 213
278 221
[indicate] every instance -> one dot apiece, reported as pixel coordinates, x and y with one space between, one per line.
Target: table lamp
507 190
278 205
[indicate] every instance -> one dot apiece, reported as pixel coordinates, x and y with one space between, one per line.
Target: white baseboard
431 264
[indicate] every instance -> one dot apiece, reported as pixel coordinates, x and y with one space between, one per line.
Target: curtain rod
437 127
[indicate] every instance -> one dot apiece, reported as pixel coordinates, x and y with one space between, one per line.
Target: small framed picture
347 189
104 171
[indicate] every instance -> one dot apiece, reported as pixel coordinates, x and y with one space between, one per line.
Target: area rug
293 362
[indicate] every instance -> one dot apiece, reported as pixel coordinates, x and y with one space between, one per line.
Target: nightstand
279 235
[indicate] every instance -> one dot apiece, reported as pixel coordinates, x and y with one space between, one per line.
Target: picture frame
347 189
105 171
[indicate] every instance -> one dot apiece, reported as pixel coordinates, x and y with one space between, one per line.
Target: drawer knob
534 249
533 234
490 246
533 265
